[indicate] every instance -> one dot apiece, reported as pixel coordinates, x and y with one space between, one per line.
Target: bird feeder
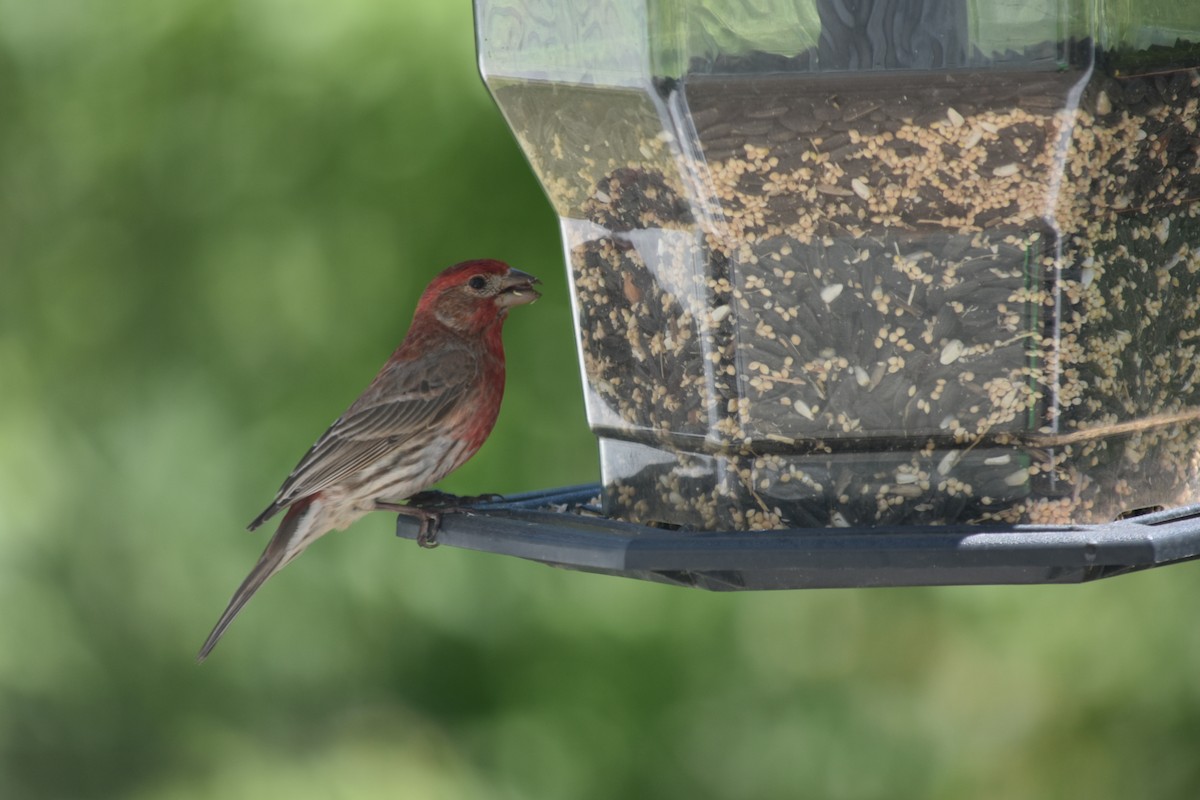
874 279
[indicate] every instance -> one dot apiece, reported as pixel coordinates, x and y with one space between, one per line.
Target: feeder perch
907 293
564 528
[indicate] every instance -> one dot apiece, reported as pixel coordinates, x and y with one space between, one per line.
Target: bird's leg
431 521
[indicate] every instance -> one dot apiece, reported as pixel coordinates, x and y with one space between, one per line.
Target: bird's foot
430 521
431 525
429 506
433 498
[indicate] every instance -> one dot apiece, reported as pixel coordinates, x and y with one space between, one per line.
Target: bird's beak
516 289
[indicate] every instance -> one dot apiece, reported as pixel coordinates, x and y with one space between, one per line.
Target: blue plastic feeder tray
563 528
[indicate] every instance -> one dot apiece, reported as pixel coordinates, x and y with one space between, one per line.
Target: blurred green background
216 217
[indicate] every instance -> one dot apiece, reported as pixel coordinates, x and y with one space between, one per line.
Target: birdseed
897 298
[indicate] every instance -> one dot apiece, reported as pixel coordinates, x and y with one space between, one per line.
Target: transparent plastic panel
945 270
600 42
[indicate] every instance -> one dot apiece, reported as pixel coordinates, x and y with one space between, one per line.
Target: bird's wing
406 398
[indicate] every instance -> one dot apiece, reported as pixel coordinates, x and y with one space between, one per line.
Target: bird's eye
477 282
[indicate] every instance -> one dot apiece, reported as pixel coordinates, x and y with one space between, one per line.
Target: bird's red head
475 295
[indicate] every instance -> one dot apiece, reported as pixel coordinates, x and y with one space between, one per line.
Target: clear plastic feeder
903 263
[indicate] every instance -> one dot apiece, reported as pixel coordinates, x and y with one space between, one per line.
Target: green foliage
215 216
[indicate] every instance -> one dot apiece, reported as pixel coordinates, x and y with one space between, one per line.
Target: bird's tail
294 534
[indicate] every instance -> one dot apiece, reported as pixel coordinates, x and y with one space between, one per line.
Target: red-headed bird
428 410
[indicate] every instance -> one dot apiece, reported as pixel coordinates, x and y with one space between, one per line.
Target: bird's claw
431 525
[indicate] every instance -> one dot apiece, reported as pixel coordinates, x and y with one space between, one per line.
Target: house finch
427 411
